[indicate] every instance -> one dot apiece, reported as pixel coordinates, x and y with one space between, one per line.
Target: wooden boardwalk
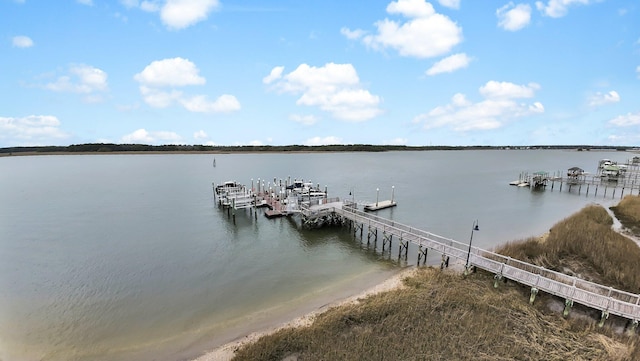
605 299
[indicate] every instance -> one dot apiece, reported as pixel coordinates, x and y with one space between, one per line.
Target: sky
284 72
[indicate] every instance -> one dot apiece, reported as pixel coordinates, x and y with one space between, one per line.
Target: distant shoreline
102 148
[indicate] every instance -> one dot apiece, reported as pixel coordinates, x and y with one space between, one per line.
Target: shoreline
226 351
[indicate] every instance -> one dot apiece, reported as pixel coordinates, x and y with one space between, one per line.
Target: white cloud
599 99
450 64
396 141
304 119
638 71
31 130
85 2
201 104
200 134
159 98
505 90
159 79
626 120
334 88
154 137
453 4
331 140
81 79
179 14
425 34
514 17
170 72
352 34
22 41
498 108
559 8
276 73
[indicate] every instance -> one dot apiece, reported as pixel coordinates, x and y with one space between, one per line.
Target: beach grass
584 245
444 316
628 213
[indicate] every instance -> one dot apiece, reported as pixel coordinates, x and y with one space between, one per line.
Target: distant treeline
115 148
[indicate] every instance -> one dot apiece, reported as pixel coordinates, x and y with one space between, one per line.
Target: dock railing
606 299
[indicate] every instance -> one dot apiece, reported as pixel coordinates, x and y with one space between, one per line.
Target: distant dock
379 205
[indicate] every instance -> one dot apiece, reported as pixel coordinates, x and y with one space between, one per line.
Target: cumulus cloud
179 14
201 104
170 72
142 136
450 64
81 79
334 88
424 34
599 99
323 141
22 41
559 8
159 80
626 120
513 17
500 105
276 73
200 134
352 34
304 119
453 4
31 130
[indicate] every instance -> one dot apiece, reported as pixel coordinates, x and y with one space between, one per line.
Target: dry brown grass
628 212
584 245
442 316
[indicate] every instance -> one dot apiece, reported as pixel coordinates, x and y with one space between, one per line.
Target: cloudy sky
412 72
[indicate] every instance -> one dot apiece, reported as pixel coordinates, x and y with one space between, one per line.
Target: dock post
614 193
560 185
445 261
622 193
568 304
605 191
634 326
596 194
579 188
588 189
534 293
603 317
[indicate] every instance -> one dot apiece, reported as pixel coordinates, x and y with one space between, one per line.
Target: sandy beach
226 352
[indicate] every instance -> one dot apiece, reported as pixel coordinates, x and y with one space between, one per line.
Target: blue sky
249 72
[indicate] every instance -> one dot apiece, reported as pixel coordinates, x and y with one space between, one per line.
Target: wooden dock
574 290
372 207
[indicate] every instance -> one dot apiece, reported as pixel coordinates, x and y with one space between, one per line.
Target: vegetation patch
628 213
445 316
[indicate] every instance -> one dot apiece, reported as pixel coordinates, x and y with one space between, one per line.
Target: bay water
127 257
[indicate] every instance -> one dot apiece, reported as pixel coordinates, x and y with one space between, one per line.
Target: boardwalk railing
606 299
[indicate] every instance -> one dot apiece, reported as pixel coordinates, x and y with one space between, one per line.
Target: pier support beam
445 261
386 238
633 328
372 232
496 279
568 304
403 245
603 317
422 254
534 293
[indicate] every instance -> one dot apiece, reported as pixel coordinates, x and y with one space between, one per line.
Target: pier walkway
605 299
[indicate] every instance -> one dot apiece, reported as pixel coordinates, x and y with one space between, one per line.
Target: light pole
474 227
392 189
377 193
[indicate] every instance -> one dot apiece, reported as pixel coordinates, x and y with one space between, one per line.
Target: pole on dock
377 193
392 189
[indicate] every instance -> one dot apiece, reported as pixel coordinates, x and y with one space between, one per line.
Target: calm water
123 257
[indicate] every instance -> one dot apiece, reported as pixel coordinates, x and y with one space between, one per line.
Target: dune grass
445 316
628 212
584 245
